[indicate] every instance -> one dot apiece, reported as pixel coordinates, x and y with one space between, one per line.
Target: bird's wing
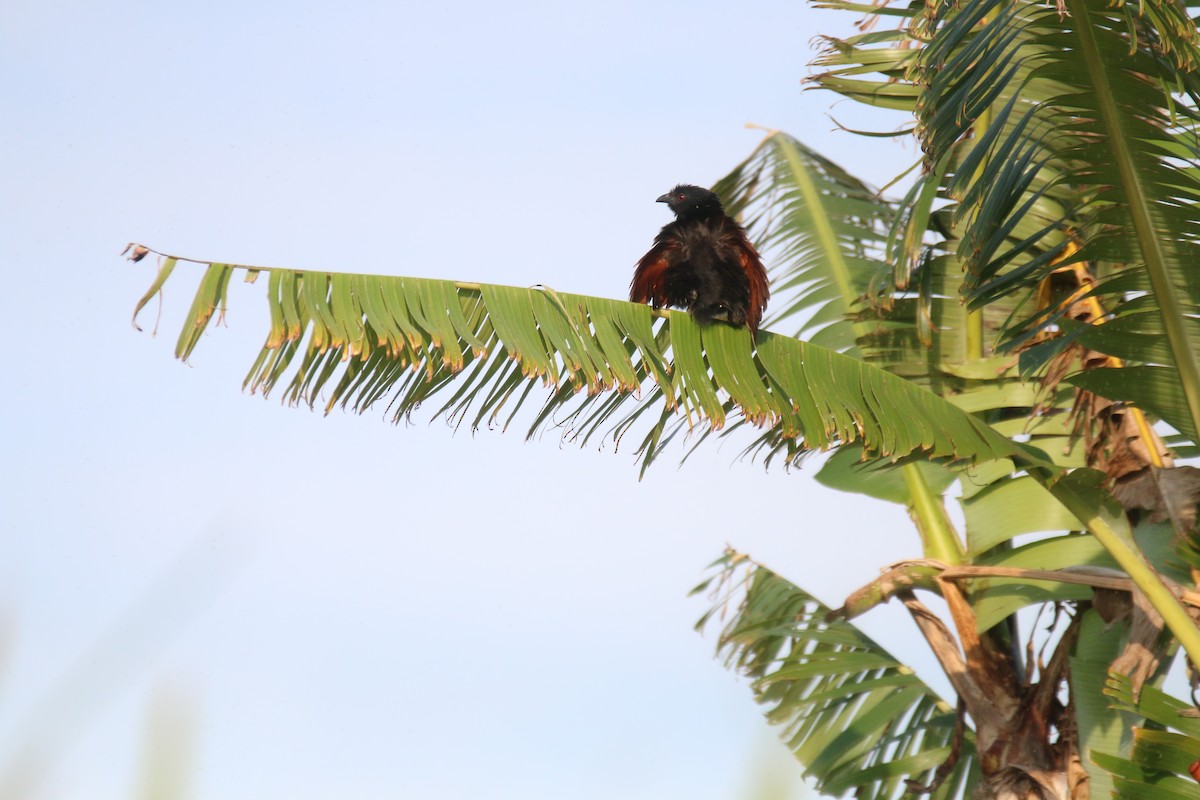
648 277
756 277
760 291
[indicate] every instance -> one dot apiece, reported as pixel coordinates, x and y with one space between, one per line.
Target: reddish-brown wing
648 283
756 277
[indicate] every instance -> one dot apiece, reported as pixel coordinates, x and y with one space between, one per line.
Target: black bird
702 262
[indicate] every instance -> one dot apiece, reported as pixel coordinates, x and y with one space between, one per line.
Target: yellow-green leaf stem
1080 492
938 537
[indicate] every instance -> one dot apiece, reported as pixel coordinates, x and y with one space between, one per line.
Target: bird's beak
666 198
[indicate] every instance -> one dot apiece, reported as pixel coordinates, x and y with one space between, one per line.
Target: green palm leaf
825 233
820 228
1163 751
919 321
872 67
361 339
857 719
1089 125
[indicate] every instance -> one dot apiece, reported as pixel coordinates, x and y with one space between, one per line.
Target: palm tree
1022 325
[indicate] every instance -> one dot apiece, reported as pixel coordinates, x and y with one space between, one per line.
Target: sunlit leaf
857 719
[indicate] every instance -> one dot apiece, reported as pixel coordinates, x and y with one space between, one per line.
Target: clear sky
310 607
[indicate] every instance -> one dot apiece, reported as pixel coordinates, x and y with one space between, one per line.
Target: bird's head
689 201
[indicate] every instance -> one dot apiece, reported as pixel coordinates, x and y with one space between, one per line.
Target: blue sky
337 606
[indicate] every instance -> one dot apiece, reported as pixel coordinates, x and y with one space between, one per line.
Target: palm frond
1164 752
857 719
1101 728
825 232
353 341
820 229
1010 507
871 67
362 339
1085 127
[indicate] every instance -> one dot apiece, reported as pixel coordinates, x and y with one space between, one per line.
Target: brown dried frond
1118 438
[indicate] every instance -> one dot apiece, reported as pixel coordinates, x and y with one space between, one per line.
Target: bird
702 262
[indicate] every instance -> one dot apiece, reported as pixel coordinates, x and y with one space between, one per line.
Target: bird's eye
680 197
